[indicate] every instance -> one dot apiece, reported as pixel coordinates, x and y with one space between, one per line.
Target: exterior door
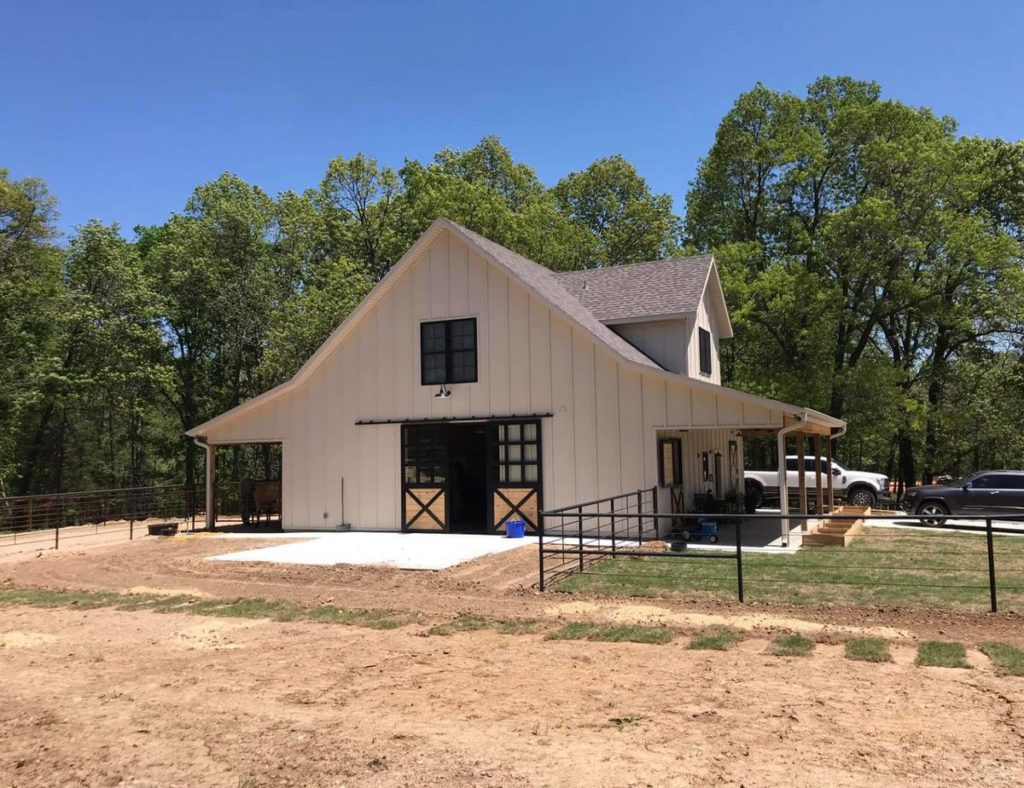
516 474
424 477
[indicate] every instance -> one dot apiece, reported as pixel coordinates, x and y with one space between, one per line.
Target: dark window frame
512 435
453 373
704 342
676 445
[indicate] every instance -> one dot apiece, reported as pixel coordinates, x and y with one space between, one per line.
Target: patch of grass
622 722
246 608
718 639
360 617
467 622
622 633
1008 659
792 645
888 567
938 653
868 650
519 626
574 630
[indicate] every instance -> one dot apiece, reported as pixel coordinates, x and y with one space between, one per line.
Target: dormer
673 311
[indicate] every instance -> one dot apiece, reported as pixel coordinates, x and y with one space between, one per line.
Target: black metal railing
574 537
894 560
46 520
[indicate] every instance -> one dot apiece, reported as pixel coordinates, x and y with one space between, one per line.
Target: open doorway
467 472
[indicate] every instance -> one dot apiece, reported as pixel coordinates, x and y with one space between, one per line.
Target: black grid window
705 351
518 453
448 352
425 454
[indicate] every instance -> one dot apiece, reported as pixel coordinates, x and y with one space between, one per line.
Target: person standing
246 497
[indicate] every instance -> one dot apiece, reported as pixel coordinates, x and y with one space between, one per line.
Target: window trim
449 352
704 349
676 445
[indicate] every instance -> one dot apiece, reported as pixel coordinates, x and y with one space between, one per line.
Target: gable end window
448 351
705 351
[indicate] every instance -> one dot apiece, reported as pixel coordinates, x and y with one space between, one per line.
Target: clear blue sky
124 107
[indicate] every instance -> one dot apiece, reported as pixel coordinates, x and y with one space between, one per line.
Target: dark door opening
467 478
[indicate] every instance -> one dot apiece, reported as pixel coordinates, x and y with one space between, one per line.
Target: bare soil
104 697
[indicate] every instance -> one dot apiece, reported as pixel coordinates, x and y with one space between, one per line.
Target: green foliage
868 650
620 633
866 251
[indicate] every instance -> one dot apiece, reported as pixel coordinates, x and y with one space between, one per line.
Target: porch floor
363 548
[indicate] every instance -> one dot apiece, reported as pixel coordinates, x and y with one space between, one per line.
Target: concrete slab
400 550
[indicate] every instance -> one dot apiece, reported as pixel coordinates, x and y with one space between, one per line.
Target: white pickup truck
856 487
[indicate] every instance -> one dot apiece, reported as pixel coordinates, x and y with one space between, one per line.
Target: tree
854 229
30 290
357 198
612 201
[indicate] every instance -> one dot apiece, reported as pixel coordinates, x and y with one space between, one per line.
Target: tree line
873 261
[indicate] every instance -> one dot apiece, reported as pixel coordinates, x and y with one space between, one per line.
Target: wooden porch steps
839 531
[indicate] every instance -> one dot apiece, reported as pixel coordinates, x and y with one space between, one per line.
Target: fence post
639 517
540 548
654 508
579 526
991 566
739 557
613 525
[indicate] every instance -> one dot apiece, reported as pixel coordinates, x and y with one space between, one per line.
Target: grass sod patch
791 645
715 640
620 633
1007 659
941 654
229 608
467 622
519 626
868 650
882 567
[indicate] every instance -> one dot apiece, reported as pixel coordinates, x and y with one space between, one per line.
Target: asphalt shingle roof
548 284
640 290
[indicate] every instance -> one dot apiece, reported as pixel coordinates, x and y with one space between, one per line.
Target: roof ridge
627 266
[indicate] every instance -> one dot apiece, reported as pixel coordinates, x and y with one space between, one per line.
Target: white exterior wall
601 440
662 340
704 318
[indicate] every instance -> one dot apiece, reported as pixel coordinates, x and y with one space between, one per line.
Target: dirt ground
105 697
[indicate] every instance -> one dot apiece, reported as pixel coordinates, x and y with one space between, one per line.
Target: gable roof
647 291
541 281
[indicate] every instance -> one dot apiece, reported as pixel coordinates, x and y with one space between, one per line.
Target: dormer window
448 351
705 351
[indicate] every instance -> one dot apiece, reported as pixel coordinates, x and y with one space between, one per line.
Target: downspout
210 459
783 477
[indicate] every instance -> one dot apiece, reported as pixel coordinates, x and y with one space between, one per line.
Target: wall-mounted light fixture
443 392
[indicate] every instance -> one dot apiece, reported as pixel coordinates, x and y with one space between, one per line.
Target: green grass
791 646
868 650
941 654
717 639
467 622
887 567
1008 659
519 626
230 608
620 633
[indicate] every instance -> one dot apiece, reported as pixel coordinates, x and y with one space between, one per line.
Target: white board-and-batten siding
600 440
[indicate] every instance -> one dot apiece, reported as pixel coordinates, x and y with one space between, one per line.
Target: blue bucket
515 529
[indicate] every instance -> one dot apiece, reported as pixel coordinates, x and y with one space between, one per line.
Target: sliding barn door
516 476
424 477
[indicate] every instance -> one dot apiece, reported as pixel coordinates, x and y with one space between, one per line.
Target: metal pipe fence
974 562
47 520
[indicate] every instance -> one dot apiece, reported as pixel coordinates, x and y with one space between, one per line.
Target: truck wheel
756 491
862 496
932 511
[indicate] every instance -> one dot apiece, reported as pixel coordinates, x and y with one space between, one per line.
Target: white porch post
783 489
211 461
